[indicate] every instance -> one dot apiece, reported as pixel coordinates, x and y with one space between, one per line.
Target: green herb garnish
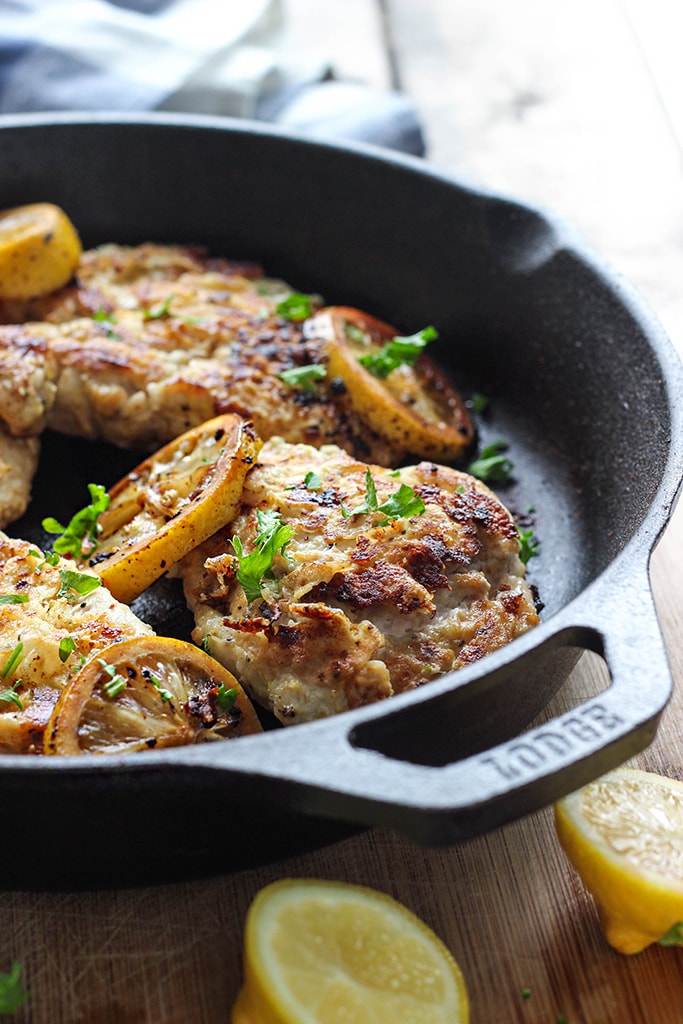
13 660
303 377
12 697
226 697
206 644
272 539
478 402
12 992
116 684
77 584
295 307
13 598
674 936
165 694
67 645
525 993
103 317
82 528
400 505
160 312
400 351
528 545
491 464
312 481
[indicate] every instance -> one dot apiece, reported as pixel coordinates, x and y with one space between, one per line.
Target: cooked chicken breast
48 612
153 340
388 580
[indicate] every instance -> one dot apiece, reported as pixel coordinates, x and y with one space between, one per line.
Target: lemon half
39 250
624 835
318 952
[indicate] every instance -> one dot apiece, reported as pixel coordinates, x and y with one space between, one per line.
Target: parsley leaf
400 351
674 936
103 317
83 528
478 402
77 584
226 697
304 377
116 684
67 645
312 481
271 539
13 660
160 312
12 992
295 307
13 598
528 545
400 505
491 464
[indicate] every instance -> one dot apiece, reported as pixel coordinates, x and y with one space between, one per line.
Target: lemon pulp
322 952
624 835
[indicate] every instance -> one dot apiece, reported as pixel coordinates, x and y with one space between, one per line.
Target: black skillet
581 382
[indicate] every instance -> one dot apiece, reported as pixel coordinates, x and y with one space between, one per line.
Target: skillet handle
323 770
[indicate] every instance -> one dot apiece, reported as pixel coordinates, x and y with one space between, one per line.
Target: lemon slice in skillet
147 693
39 250
319 951
172 502
409 400
624 835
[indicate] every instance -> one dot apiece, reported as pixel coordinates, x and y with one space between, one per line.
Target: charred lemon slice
412 404
147 693
171 502
39 250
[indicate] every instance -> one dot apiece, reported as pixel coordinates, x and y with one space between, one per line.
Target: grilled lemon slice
318 951
624 835
146 693
413 406
172 502
39 250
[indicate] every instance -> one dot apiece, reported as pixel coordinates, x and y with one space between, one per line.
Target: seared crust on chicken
360 606
152 340
46 614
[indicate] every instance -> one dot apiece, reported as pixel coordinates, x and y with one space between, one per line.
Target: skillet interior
570 365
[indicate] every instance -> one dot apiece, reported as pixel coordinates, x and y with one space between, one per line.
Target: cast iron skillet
580 380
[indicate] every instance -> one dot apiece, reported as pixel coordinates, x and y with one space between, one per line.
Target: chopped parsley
108 319
478 402
13 598
674 936
116 684
165 694
12 697
272 538
226 697
77 584
83 528
295 307
13 995
206 644
528 545
303 377
399 351
67 645
312 481
400 505
160 312
525 993
492 465
13 660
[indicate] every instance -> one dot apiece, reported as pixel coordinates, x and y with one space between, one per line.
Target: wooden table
579 107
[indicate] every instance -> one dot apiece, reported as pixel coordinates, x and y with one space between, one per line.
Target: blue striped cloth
221 57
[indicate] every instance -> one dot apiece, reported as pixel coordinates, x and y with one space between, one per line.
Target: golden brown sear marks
358 607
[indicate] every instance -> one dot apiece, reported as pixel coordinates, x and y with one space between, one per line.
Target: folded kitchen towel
220 57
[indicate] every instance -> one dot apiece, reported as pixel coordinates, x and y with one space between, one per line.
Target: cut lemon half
319 952
624 835
147 693
172 502
39 250
414 407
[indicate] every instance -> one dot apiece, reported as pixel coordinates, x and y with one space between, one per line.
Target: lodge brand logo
586 726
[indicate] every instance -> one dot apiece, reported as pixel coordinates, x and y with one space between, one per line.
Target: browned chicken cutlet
360 606
152 340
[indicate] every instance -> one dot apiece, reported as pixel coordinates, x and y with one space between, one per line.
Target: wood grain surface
577 107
